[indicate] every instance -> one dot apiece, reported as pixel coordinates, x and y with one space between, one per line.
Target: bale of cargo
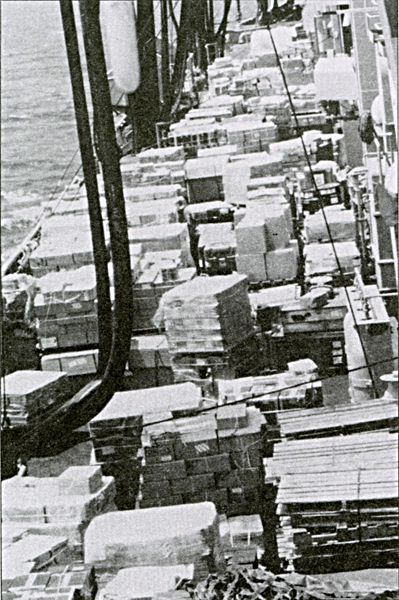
61 505
152 192
282 264
253 266
341 224
154 212
29 394
172 535
206 314
163 237
161 155
250 136
320 258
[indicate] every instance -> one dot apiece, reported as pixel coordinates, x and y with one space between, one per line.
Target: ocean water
38 130
37 120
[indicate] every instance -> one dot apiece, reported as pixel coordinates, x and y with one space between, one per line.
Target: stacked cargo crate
208 322
29 395
265 251
66 310
205 458
217 248
116 431
242 539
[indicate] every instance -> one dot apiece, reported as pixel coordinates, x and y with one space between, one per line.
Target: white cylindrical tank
120 37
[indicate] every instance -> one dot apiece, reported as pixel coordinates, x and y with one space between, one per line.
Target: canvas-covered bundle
207 314
152 583
171 535
29 394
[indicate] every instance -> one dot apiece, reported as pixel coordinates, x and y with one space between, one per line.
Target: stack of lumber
32 553
171 535
66 309
55 581
116 431
207 314
265 391
62 505
217 248
152 583
28 395
341 223
337 500
350 418
242 538
201 458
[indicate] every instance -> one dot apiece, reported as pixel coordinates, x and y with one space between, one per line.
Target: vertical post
165 73
211 20
104 309
145 101
109 155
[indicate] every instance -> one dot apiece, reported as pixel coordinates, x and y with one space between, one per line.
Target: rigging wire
35 429
321 206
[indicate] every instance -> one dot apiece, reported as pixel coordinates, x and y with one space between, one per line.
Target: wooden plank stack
337 501
116 431
205 459
29 395
345 419
56 582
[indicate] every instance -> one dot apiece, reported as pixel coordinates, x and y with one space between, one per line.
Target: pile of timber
345 419
203 458
29 395
74 581
336 499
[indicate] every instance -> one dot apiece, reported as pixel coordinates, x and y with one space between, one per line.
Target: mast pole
109 156
165 73
104 309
